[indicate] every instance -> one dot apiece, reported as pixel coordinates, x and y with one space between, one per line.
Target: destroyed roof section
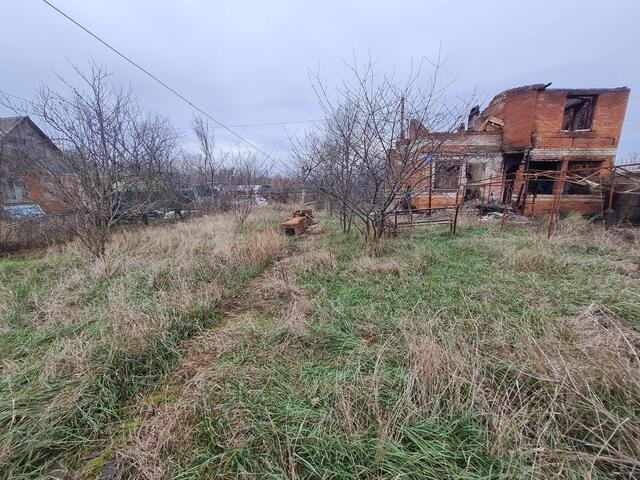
515 107
533 118
459 141
589 91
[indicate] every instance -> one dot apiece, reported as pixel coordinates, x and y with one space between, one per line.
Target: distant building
256 190
23 194
524 130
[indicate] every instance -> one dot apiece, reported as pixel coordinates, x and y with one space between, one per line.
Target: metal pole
611 196
556 200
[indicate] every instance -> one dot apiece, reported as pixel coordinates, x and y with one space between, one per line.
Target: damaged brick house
22 193
522 131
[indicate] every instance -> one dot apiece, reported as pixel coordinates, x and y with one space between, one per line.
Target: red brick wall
581 204
609 115
437 200
533 117
608 118
38 194
548 120
517 114
516 107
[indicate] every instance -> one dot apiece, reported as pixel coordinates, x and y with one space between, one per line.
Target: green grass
81 339
491 354
354 397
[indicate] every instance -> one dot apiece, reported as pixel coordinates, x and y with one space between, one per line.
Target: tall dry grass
523 351
492 354
81 337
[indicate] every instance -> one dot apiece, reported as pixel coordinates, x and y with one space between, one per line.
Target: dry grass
168 427
313 261
367 265
575 230
492 354
487 355
551 394
86 335
538 392
277 292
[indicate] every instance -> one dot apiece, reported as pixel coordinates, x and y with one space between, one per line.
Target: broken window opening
542 185
447 175
580 169
474 174
511 165
578 112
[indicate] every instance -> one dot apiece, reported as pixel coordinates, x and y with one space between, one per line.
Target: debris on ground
299 224
490 207
512 217
492 216
316 229
518 218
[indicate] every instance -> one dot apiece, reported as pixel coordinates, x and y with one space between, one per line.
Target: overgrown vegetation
491 354
80 338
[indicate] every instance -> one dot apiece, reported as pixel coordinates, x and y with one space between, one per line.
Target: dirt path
164 419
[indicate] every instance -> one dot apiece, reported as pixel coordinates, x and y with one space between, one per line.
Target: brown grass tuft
296 316
384 266
167 428
532 258
314 261
606 346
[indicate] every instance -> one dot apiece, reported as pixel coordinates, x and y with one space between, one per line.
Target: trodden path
163 420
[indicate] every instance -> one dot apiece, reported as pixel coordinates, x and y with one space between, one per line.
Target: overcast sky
247 62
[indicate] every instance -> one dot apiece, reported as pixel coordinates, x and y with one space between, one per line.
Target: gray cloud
249 61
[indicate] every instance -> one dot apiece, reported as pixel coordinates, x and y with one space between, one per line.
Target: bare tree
156 164
630 159
362 157
248 172
206 141
111 155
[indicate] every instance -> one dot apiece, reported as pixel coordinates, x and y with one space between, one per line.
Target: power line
271 124
268 124
156 79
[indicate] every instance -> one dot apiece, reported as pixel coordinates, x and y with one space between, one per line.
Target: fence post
556 199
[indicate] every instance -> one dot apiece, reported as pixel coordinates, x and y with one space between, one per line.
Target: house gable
22 142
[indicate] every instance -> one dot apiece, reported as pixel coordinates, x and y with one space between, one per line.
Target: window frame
9 191
593 99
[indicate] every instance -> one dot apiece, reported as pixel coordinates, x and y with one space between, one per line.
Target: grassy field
492 354
80 339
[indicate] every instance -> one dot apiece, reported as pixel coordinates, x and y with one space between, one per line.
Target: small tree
156 166
248 172
207 164
361 156
111 155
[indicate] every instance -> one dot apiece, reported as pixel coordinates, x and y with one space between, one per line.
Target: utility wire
156 79
271 124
